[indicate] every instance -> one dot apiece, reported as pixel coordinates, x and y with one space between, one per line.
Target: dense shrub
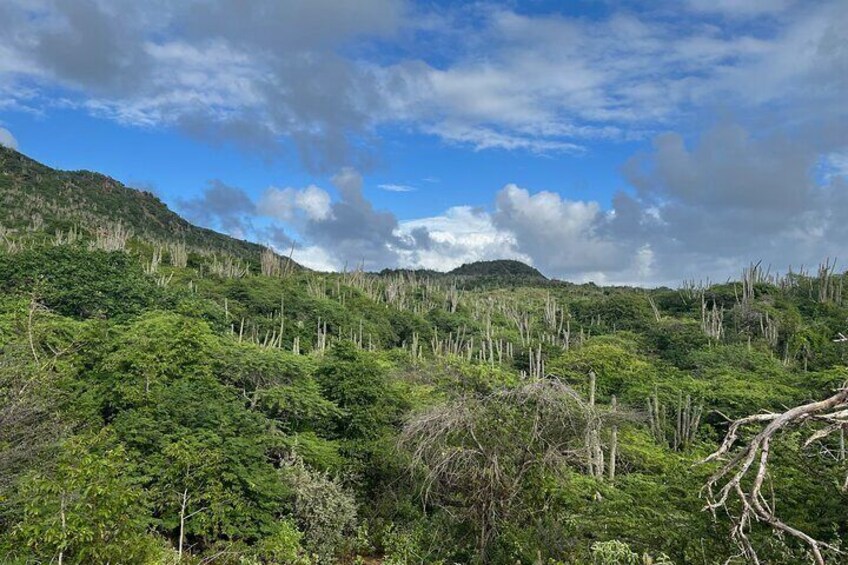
80 283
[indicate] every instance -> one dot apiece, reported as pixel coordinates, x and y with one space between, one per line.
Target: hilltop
498 268
507 269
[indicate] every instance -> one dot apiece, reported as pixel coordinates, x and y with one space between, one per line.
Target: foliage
283 546
485 416
324 510
84 508
77 282
498 268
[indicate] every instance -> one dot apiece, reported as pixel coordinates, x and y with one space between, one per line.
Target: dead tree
473 455
744 469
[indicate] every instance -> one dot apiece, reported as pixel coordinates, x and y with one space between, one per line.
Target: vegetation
499 268
159 410
35 198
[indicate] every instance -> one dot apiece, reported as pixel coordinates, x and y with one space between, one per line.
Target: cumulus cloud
728 168
287 203
462 234
728 198
326 232
257 74
7 139
569 239
272 75
85 43
551 83
354 230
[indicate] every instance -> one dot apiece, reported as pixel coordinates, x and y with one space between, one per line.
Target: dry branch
745 469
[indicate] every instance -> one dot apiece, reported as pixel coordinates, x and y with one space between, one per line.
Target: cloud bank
323 77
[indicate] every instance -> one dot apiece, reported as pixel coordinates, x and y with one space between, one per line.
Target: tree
358 384
84 508
192 485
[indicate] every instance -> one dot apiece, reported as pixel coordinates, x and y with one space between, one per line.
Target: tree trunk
613 444
182 525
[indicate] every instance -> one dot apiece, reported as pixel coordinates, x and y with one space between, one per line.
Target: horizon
635 143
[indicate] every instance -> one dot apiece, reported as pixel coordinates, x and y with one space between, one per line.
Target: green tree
84 508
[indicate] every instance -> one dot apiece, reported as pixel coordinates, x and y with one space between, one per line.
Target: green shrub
324 510
78 282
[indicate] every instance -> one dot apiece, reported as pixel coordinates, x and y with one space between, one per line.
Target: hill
35 197
498 268
208 410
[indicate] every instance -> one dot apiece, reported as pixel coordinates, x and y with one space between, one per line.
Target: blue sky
621 142
439 175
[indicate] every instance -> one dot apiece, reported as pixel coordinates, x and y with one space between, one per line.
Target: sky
628 142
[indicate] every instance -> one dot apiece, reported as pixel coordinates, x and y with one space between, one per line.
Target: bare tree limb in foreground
749 465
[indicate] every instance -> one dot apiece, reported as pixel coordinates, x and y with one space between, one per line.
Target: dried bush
476 454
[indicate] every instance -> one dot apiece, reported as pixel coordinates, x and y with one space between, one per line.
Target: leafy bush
80 283
282 546
85 508
325 511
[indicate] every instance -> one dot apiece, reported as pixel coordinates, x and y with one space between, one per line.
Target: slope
35 197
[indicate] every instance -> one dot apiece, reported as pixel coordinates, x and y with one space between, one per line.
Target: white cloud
709 207
288 203
482 75
317 258
391 187
560 234
461 235
550 83
7 139
482 138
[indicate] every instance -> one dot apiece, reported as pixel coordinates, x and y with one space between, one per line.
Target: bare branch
753 459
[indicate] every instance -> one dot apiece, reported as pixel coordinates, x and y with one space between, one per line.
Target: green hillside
226 409
34 197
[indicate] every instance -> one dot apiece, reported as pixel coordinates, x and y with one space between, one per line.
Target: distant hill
498 268
36 197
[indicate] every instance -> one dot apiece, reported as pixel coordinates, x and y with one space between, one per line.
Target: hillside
498 268
211 410
320 418
35 197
